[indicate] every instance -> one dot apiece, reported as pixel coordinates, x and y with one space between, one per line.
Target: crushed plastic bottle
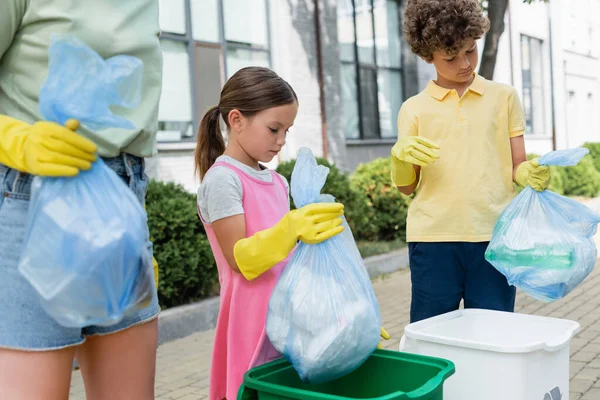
546 257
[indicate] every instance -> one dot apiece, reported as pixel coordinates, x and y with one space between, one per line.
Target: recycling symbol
553 395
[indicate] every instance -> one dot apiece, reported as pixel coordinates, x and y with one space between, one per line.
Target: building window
204 42
371 67
175 106
532 58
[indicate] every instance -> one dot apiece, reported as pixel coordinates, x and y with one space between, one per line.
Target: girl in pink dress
245 210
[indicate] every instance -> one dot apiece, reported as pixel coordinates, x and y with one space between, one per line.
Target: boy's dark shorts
444 273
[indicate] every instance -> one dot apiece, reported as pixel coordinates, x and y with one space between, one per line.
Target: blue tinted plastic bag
323 314
83 86
543 242
85 250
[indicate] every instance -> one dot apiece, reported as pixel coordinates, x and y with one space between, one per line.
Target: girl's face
263 135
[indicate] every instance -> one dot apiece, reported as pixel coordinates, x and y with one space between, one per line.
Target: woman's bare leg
26 375
122 365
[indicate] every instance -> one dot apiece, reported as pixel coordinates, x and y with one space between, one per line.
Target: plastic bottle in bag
546 257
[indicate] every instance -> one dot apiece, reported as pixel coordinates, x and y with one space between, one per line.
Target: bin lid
495 331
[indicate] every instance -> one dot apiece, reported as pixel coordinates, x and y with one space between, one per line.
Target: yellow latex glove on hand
44 148
155 265
311 224
531 173
409 151
384 335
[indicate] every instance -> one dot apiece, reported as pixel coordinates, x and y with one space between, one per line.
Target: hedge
187 270
582 179
387 207
594 153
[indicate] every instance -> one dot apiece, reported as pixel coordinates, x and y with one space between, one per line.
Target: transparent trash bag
83 86
323 314
543 242
86 247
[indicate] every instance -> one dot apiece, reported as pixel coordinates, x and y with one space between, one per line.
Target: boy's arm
525 173
408 190
519 156
410 153
516 130
528 173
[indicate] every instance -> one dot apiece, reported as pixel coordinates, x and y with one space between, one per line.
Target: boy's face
458 67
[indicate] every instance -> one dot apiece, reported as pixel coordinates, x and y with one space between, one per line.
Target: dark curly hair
431 25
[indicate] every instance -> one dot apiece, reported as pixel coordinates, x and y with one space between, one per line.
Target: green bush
187 270
338 185
387 207
582 179
556 183
594 153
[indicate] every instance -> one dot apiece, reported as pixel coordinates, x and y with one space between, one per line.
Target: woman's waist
19 183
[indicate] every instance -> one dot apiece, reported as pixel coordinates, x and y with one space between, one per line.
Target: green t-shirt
110 27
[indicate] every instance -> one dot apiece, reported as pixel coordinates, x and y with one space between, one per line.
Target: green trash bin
386 375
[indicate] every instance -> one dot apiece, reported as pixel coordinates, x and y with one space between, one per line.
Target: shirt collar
478 85
439 93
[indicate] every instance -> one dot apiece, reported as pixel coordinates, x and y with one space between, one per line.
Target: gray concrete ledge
179 322
387 263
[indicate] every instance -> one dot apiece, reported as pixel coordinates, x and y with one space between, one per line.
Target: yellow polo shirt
462 194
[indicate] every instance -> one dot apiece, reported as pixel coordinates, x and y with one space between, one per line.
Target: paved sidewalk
182 367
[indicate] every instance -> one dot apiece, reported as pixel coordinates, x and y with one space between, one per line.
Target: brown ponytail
210 143
250 91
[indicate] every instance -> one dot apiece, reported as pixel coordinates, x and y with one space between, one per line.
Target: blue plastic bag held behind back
323 314
543 242
85 250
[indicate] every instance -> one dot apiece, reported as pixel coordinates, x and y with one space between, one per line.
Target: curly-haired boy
461 140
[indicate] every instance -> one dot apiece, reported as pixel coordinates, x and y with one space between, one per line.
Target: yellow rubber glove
531 173
44 148
409 151
311 224
155 265
384 335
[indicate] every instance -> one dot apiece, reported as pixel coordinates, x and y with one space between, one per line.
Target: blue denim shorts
24 325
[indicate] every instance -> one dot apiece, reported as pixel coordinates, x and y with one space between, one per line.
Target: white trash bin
498 355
